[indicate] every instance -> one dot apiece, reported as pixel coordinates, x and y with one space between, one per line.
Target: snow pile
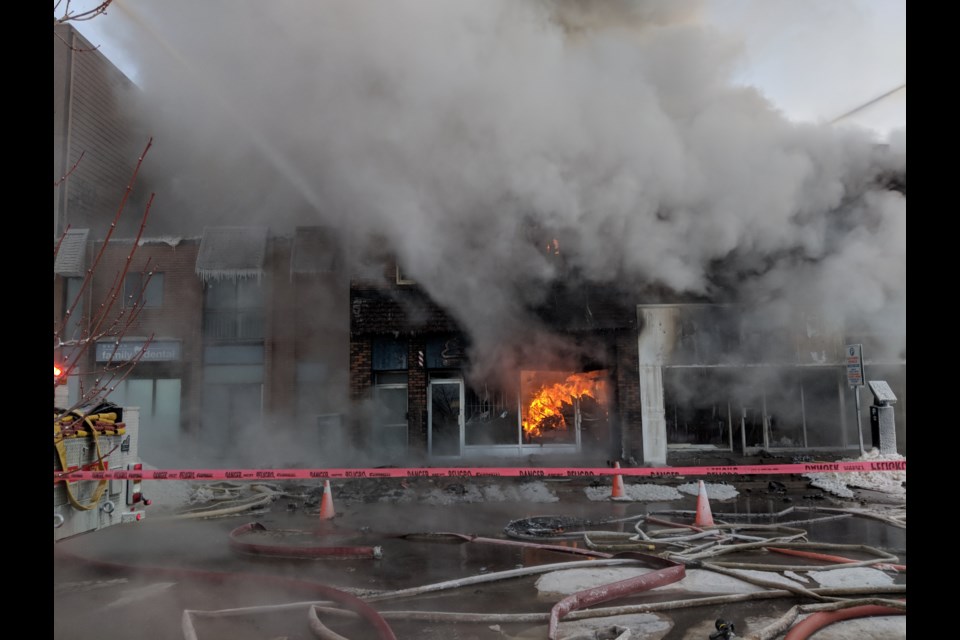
649 626
526 492
636 492
831 483
469 493
718 491
885 481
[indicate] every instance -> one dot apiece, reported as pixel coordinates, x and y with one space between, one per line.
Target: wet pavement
135 580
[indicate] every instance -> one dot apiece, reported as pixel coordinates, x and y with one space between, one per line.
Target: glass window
389 355
159 403
390 417
491 417
233 310
697 406
144 290
551 406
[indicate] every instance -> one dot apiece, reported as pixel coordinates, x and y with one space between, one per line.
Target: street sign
854 354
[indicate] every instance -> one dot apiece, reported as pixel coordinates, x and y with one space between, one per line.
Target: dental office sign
156 351
854 356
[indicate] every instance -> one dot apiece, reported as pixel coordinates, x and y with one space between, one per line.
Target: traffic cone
326 504
617 484
704 515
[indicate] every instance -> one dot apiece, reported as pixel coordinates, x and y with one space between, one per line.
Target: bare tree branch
90 14
57 183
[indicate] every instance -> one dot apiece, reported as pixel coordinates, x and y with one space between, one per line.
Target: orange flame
546 406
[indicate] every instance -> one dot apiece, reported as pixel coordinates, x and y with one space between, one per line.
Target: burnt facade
412 385
726 377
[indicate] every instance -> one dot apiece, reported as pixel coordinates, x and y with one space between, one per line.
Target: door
445 407
391 418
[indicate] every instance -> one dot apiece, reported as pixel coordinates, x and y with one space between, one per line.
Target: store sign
155 351
445 353
854 356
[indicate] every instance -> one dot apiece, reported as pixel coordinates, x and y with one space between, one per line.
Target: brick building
411 384
241 335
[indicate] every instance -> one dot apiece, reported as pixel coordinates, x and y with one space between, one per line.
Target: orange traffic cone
617 484
326 504
704 515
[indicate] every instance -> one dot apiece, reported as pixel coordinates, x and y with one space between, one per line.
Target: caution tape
479 472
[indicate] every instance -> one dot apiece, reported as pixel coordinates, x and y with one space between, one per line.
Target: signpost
854 357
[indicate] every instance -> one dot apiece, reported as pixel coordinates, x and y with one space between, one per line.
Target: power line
867 104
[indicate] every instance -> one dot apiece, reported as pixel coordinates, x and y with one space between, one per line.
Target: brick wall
280 330
180 315
416 396
628 395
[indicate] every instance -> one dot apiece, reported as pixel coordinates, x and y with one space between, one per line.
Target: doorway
445 418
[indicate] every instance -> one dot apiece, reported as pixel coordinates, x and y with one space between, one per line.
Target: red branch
57 183
113 225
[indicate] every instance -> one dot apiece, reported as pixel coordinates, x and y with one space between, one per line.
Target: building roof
71 257
231 253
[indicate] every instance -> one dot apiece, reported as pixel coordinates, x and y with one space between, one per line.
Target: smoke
454 128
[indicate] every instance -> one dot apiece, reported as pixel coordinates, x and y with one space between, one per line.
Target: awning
71 258
315 250
232 253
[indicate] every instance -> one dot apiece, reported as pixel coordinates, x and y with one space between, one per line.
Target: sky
815 60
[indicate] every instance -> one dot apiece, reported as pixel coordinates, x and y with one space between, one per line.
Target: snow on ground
636 492
649 626
885 481
831 483
526 492
717 491
167 494
853 577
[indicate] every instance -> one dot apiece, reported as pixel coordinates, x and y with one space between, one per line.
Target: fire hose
816 621
291 551
832 558
96 422
672 572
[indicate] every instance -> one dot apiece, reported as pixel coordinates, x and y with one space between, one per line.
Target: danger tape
480 472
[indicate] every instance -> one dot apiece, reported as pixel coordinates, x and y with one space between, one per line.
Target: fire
546 406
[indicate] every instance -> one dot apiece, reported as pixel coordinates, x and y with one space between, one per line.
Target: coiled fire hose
61 448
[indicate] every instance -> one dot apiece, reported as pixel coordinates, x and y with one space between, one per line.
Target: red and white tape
479 472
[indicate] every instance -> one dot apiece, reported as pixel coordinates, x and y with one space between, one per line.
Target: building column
655 339
417 396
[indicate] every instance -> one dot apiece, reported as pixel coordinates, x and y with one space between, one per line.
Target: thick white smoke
454 128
